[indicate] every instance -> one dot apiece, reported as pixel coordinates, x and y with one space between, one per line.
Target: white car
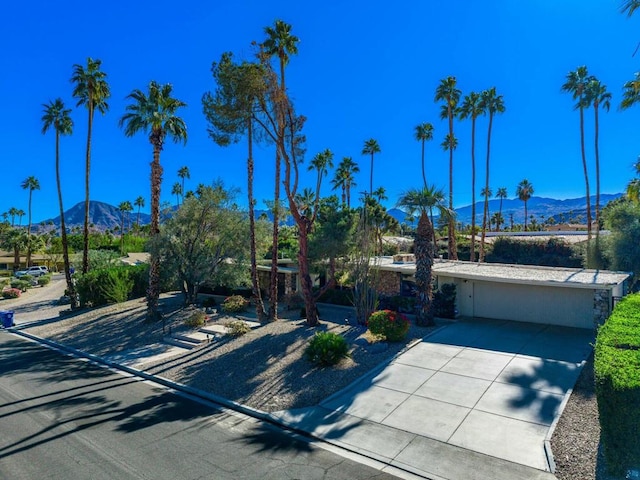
35 271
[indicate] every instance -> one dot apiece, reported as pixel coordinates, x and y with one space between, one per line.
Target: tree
183 173
154 113
344 179
524 192
630 6
577 85
471 108
229 111
281 43
622 218
20 213
320 164
371 147
177 191
423 133
30 183
486 193
13 212
493 104
420 200
199 243
57 116
501 194
14 239
92 90
124 207
139 202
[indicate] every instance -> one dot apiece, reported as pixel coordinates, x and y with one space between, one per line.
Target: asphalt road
66 418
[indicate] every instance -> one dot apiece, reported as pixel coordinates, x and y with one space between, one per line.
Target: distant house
7 261
556 296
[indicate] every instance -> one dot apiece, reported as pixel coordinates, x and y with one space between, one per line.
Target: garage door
571 307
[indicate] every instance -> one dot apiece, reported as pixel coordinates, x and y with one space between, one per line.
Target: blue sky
364 70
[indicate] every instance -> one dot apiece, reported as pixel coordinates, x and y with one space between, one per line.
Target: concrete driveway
476 399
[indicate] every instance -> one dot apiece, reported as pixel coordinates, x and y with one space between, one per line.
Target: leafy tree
371 147
30 183
577 84
524 192
154 113
57 116
199 243
622 218
493 104
420 200
92 90
472 108
448 93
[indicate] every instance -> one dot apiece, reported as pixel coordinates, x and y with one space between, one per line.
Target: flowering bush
11 293
235 304
391 325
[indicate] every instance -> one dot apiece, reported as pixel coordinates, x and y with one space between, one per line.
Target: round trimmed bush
327 348
391 325
235 304
11 293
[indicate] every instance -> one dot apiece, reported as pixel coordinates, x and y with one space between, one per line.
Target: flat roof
511 273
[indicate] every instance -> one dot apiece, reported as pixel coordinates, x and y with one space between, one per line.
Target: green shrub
617 372
209 302
554 252
444 301
44 280
107 285
337 296
391 325
23 284
327 348
235 304
196 320
11 293
237 328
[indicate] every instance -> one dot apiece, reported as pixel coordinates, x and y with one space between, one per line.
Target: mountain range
105 216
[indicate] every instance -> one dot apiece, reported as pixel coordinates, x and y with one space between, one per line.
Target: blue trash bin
7 318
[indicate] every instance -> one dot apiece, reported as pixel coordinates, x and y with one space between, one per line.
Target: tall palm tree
423 133
183 173
13 212
321 163
471 108
92 90
631 93
57 116
21 213
380 194
493 104
419 200
630 6
345 178
124 207
154 113
486 193
30 183
524 190
177 191
282 44
501 194
577 85
371 147
598 96
139 202
448 92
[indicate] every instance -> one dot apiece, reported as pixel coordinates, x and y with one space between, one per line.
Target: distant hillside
102 215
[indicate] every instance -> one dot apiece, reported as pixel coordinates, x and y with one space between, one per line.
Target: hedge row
617 370
112 285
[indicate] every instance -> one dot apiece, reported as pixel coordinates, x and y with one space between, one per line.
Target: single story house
556 296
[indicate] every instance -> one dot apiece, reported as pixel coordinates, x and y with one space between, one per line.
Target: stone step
193 337
179 343
214 330
139 357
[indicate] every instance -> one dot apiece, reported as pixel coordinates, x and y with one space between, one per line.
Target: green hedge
617 371
111 285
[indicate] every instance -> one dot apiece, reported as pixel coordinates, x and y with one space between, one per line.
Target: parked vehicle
35 271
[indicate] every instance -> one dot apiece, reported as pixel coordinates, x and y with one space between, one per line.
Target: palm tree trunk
371 176
305 277
424 176
424 264
499 215
63 231
153 292
472 253
257 295
486 186
28 259
85 234
597 150
586 176
453 249
273 284
525 215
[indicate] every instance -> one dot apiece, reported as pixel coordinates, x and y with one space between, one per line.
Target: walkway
477 399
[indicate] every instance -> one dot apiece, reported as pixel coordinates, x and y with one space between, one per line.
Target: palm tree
139 202
124 207
380 194
320 163
345 178
493 104
154 113
279 43
21 213
419 200
30 183
92 91
501 194
371 147
449 93
597 96
630 6
423 133
471 108
486 193
183 173
13 212
57 116
177 191
577 85
631 94
524 192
